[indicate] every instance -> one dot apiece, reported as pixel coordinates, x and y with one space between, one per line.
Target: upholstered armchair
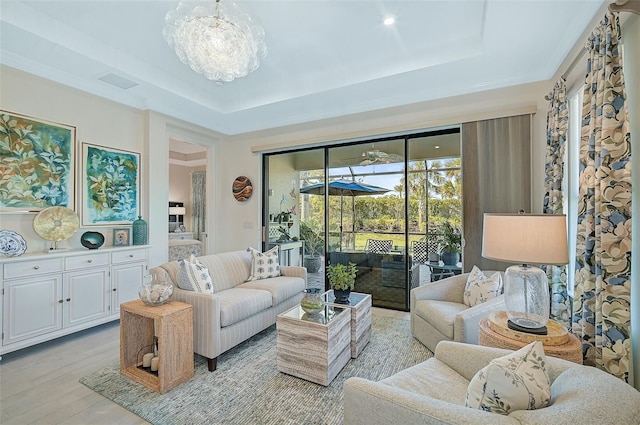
434 392
438 312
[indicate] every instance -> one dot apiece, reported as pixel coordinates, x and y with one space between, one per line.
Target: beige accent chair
434 392
438 312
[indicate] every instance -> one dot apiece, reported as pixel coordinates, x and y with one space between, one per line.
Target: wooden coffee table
360 306
558 342
313 347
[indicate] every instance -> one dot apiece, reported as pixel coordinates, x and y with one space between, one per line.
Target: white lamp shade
177 210
526 238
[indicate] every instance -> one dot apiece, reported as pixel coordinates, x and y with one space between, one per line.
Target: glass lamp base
526 297
542 330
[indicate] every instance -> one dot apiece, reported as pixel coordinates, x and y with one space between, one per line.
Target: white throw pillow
517 381
193 276
264 264
480 288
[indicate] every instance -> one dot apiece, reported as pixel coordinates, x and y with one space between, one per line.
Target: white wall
97 121
234 225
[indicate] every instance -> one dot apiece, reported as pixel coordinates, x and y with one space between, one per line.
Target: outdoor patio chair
420 252
378 246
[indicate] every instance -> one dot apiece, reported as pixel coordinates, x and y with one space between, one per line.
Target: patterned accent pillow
193 276
517 381
480 288
264 264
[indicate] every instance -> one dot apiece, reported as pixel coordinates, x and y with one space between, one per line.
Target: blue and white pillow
193 276
264 264
480 288
517 381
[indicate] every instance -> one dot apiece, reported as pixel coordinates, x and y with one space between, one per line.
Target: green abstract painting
36 163
111 184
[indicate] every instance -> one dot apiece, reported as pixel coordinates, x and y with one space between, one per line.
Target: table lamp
177 211
526 239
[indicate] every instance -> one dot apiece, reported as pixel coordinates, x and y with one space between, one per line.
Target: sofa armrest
467 359
448 289
294 271
206 320
467 322
369 403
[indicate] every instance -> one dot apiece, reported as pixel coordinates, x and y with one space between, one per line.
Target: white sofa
434 391
438 312
237 309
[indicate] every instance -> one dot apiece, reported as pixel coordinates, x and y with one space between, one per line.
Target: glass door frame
405 138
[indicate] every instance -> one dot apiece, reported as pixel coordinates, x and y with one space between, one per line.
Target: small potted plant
313 247
342 279
451 244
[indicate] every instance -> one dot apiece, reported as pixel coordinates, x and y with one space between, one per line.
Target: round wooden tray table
558 342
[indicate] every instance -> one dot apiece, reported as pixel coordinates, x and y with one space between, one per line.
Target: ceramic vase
139 231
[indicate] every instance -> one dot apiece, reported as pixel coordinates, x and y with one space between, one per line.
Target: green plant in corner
313 240
451 238
341 276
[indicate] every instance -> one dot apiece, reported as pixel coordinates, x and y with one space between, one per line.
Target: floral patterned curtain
198 202
602 303
557 122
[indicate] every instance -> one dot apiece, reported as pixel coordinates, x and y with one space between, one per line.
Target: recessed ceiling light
437 146
389 20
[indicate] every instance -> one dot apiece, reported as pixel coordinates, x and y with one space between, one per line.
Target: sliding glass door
367 203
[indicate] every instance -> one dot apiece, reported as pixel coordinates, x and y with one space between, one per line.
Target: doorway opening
187 199
382 204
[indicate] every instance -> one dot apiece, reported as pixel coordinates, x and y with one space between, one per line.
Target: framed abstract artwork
110 186
38 160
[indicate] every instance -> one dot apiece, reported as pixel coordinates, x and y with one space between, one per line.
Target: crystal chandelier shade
216 40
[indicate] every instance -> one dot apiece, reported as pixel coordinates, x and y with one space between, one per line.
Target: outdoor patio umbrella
344 188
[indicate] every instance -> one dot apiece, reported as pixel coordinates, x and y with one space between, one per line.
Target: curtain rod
632 6
573 63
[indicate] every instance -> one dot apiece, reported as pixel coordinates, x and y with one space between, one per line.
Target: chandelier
216 40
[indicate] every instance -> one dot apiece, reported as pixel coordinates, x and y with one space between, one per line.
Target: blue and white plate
11 243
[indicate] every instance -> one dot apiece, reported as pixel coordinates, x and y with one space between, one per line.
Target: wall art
110 185
38 160
242 188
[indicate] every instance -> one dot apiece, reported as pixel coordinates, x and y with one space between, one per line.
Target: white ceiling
326 58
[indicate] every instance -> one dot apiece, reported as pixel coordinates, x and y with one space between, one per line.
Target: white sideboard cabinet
45 296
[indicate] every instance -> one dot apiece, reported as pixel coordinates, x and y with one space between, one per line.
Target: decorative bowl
155 291
92 240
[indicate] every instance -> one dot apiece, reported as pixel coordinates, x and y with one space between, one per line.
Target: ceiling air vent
118 81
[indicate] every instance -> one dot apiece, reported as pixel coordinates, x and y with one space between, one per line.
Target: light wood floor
39 385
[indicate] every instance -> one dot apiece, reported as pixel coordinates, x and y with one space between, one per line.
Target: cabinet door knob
36 267
131 255
89 261
68 299
114 289
60 301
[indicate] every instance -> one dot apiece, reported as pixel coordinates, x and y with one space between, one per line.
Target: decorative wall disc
242 188
56 223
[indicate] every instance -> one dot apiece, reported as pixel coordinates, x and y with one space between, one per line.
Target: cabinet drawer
84 261
33 267
128 256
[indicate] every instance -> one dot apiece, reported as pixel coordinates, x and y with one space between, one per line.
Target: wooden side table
313 347
174 324
493 332
360 306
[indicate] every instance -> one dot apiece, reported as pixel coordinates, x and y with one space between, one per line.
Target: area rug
248 389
